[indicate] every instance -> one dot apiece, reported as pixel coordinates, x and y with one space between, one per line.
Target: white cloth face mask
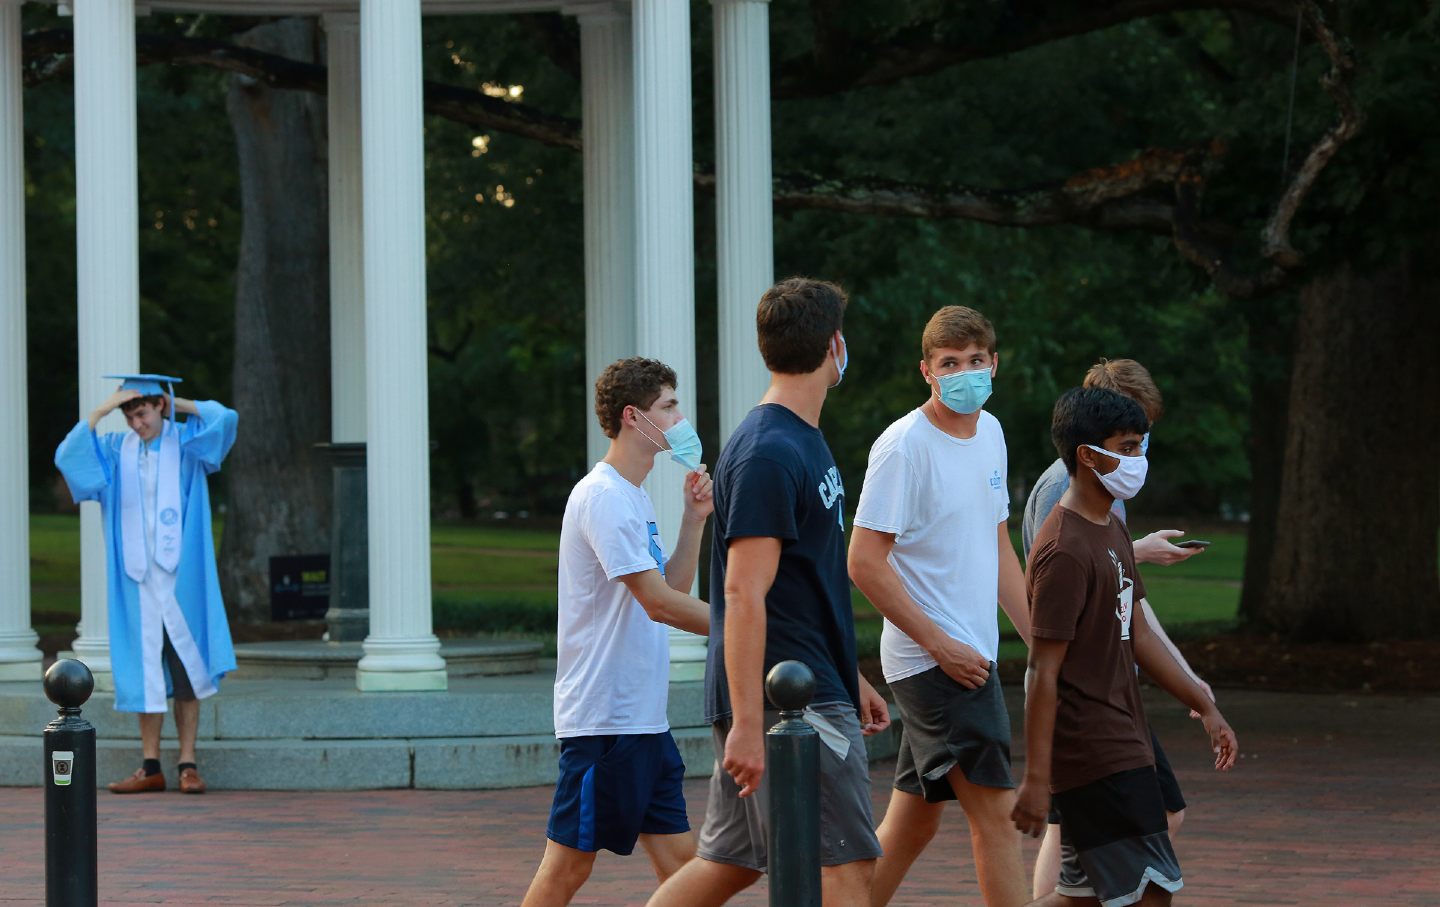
1127 479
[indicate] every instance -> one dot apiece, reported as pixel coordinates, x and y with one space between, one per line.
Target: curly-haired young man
620 771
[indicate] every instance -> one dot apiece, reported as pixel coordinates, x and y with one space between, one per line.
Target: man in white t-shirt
932 552
621 775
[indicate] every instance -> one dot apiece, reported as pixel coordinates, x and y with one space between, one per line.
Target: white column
347 249
665 247
743 203
107 249
608 122
19 658
401 652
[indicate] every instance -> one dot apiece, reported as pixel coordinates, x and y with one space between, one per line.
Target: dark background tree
1236 193
281 383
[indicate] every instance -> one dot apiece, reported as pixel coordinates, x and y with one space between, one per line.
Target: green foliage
507 383
506 283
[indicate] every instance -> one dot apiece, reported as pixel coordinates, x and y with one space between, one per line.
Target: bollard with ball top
792 756
70 850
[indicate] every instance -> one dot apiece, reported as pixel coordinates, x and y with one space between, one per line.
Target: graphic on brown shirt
1083 588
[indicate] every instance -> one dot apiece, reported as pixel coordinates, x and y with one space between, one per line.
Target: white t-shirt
612 672
942 497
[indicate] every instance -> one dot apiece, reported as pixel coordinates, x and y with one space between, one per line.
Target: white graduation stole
168 522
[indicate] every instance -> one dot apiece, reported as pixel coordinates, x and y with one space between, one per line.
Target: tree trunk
1355 549
280 488
1271 324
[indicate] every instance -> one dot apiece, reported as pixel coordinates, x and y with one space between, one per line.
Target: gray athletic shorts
735 830
945 725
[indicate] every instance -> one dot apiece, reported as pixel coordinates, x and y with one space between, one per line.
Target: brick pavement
1334 802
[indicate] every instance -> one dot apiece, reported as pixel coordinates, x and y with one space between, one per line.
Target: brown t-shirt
1084 588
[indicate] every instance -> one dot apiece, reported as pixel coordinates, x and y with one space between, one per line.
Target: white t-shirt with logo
612 672
942 497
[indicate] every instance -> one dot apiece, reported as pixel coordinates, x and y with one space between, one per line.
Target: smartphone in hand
1193 543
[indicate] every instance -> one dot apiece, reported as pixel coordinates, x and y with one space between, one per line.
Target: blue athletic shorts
614 788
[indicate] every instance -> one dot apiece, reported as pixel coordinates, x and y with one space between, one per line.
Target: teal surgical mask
685 447
1145 445
964 392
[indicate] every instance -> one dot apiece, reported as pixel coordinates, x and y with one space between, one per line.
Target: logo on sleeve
655 550
1125 598
831 491
995 481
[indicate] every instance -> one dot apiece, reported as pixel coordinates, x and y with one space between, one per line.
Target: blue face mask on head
964 392
685 447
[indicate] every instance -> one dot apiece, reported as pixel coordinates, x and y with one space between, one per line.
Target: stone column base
401 681
391 664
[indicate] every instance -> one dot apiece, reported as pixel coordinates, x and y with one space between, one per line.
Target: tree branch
1282 259
49 54
1117 196
1275 238
933 45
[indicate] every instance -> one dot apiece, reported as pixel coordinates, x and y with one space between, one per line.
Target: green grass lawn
501 580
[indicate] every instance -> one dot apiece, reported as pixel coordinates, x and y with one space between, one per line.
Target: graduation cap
148 385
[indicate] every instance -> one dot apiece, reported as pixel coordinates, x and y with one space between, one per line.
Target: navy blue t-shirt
776 478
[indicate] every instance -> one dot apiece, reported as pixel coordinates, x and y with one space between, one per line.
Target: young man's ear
994 363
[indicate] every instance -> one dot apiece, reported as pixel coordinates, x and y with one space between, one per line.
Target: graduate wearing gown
166 614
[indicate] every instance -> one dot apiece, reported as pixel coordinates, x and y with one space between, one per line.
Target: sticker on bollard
62 763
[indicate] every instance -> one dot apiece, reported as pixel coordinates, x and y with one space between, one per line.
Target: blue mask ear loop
840 366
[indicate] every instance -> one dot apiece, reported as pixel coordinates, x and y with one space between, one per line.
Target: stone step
333 709
455 763
319 660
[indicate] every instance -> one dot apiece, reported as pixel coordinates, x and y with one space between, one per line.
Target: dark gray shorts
946 725
735 830
1113 839
181 690
1170 792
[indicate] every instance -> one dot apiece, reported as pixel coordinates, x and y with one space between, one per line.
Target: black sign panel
299 587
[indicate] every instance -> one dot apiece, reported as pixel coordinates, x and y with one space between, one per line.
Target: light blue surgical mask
1145 445
841 364
964 392
685 447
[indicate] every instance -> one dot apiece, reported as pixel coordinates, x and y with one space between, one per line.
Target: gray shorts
1113 839
735 830
945 725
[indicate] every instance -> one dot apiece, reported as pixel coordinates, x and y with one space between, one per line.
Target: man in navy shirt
779 591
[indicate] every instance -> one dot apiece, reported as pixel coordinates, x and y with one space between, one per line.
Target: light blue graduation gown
90 463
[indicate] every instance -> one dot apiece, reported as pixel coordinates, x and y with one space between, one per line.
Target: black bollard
792 757
70 850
